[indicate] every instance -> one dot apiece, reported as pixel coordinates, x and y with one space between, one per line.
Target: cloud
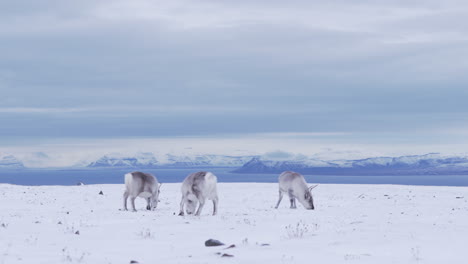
113 109
361 72
37 110
282 155
300 134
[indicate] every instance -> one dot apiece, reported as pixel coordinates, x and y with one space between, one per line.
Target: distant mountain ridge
431 163
427 164
147 160
10 162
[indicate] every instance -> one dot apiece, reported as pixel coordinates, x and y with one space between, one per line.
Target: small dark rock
231 246
101 193
459 197
68 212
264 244
77 232
59 223
225 255
133 261
213 243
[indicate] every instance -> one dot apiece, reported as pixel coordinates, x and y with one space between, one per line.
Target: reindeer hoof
181 214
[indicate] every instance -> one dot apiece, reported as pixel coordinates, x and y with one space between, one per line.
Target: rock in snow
213 243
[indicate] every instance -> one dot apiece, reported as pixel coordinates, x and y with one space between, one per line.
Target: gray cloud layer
390 70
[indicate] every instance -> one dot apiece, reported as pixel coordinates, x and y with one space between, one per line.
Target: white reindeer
196 188
295 185
139 184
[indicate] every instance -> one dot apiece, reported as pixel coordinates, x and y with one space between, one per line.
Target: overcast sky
373 73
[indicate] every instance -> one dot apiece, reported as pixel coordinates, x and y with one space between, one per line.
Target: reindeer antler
312 187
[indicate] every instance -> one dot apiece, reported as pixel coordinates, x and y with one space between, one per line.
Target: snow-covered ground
351 224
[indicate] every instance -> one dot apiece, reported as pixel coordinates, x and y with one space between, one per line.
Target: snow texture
351 224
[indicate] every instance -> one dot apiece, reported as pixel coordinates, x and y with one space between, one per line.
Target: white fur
138 184
196 190
145 195
295 185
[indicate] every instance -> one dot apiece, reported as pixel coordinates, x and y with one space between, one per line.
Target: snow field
351 224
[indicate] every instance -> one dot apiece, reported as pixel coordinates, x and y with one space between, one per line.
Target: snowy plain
351 224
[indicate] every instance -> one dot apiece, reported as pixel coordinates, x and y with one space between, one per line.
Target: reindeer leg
200 206
132 200
125 197
292 199
293 206
215 205
154 202
279 200
148 201
181 213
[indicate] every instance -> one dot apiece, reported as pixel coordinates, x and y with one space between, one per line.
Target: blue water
102 176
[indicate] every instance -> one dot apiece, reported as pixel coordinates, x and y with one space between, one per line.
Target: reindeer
139 184
196 188
295 185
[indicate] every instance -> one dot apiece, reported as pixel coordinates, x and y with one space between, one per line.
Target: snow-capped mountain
37 160
257 164
272 162
145 160
206 160
148 160
415 161
431 163
10 162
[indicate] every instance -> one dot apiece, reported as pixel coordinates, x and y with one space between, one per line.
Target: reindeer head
155 198
308 201
191 203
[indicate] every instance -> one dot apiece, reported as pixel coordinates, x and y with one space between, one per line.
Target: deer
295 185
140 184
196 188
